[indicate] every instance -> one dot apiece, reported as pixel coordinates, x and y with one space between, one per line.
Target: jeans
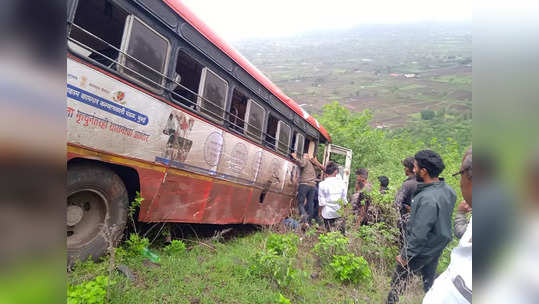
426 266
306 195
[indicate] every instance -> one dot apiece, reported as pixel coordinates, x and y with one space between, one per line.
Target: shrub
276 267
283 244
276 262
135 244
283 299
93 291
350 268
330 244
427 114
175 247
379 242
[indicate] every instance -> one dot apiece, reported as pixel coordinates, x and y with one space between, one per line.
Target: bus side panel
274 207
182 198
227 203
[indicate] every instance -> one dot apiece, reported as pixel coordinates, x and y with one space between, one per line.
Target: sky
242 19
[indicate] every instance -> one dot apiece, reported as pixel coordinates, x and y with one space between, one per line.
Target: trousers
426 266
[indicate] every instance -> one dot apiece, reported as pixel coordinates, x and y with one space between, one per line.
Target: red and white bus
158 103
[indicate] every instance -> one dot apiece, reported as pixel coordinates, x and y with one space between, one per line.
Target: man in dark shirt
429 228
403 199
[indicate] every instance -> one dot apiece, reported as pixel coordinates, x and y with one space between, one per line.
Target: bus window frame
123 56
248 116
277 137
200 96
296 143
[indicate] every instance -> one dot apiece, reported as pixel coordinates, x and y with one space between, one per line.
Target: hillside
365 67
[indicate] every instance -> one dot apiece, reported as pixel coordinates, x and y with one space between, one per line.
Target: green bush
175 247
379 242
350 268
283 244
427 114
91 292
277 261
135 244
283 300
276 267
330 244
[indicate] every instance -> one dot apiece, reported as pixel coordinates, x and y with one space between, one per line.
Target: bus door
342 156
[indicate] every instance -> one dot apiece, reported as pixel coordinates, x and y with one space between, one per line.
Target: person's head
332 169
465 173
362 175
384 181
408 164
427 165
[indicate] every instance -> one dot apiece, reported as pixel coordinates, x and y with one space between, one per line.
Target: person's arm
460 219
317 163
343 195
321 195
300 161
419 227
399 198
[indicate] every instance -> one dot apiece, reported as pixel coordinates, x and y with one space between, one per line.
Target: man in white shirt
331 194
454 286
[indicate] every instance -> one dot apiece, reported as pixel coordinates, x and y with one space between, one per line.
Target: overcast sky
240 19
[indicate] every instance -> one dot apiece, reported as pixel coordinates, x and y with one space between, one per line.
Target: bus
158 104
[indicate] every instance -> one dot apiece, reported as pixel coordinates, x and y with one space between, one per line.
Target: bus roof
198 24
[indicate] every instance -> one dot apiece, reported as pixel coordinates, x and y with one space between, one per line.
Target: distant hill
396 71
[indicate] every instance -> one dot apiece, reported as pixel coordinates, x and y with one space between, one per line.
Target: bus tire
97 204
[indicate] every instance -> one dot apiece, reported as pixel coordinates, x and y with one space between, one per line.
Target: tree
427 114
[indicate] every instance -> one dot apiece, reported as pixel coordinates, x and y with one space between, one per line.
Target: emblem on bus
83 81
118 96
178 127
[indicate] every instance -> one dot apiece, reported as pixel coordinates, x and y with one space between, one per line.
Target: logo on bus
118 96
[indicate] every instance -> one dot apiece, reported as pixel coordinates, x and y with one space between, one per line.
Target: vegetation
269 267
365 67
350 268
91 292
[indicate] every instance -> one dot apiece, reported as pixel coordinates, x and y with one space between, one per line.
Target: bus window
310 146
148 52
99 27
271 131
283 137
213 95
255 120
187 79
238 107
299 144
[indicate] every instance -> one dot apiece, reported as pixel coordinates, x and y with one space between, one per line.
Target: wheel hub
74 215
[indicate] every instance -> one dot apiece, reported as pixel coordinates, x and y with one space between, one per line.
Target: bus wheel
96 211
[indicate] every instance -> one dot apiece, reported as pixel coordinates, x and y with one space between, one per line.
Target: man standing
307 186
331 194
454 286
429 228
403 199
384 184
361 201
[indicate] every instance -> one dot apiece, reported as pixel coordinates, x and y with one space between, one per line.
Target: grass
216 272
455 79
